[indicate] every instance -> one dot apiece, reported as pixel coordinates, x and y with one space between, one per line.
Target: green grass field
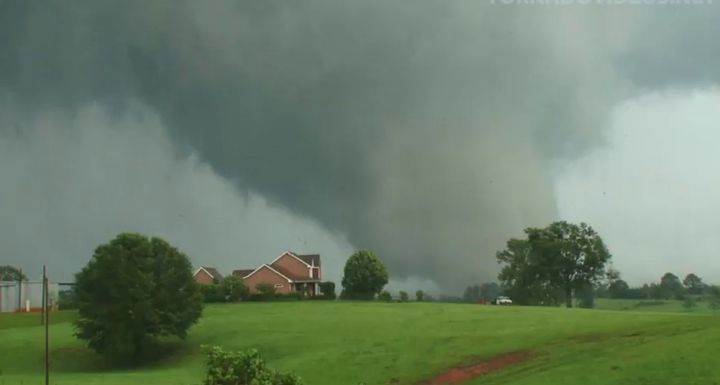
334 343
670 305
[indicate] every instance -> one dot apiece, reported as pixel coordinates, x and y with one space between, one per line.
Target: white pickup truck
502 300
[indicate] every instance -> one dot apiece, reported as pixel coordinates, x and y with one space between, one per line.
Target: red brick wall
293 266
265 275
203 277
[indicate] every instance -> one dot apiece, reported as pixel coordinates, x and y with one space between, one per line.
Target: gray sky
427 131
652 192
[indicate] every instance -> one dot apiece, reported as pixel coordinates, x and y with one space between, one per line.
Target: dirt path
461 374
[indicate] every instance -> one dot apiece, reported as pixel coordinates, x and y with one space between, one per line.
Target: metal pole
42 311
47 329
19 288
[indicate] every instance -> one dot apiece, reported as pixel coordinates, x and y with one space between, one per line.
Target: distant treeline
668 287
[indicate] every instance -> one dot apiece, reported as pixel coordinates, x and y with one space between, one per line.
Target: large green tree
693 284
133 290
671 287
523 275
10 273
553 263
619 289
364 276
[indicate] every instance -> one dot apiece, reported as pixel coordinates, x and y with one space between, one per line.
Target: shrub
419 295
233 289
403 296
689 302
242 368
257 297
267 297
328 289
212 293
266 290
296 295
385 296
134 290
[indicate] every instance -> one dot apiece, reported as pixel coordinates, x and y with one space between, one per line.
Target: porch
311 288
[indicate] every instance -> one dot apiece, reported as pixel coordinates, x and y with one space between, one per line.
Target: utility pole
19 290
46 320
42 309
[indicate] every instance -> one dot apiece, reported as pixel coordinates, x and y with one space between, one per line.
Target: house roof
213 272
242 272
273 269
310 259
294 277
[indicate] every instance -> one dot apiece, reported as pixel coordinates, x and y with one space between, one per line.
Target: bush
296 295
242 368
403 296
419 295
266 290
266 297
385 296
689 302
134 290
212 293
233 289
328 289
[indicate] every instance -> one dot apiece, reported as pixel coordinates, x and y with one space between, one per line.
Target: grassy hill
334 343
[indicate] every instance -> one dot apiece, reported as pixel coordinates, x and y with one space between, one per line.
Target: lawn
669 305
334 343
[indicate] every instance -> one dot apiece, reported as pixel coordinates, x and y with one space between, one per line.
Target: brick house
288 273
206 274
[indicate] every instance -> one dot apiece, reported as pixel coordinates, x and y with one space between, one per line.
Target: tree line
565 263
668 287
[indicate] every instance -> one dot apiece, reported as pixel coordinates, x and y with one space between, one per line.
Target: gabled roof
294 277
274 270
310 259
214 272
290 253
242 272
211 271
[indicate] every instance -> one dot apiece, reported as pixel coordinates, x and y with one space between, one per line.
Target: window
278 285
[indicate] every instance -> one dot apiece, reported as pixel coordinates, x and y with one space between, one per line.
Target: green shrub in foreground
242 368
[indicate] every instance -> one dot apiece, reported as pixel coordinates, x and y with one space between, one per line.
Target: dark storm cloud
424 130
